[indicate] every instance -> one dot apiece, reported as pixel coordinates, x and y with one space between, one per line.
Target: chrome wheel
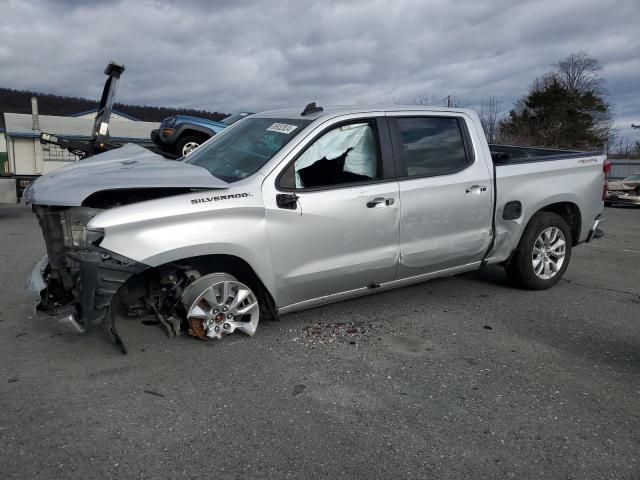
549 251
218 305
189 147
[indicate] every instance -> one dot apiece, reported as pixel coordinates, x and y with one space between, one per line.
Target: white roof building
28 157
21 125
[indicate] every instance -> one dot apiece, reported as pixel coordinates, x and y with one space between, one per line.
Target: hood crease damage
129 169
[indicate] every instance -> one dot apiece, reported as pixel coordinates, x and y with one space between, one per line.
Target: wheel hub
218 305
189 147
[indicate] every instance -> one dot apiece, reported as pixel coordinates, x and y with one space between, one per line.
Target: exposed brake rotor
197 328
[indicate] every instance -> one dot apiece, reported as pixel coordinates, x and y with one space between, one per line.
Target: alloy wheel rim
189 147
223 308
549 251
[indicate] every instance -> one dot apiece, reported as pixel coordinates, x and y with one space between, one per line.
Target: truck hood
123 168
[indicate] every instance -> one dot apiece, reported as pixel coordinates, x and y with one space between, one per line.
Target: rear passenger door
445 194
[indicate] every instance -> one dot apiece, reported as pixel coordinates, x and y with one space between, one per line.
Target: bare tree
490 113
579 73
455 102
438 101
422 100
624 148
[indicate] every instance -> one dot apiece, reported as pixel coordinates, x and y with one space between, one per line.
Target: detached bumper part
101 275
65 317
595 232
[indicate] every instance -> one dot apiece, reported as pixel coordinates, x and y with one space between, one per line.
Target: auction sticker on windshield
282 128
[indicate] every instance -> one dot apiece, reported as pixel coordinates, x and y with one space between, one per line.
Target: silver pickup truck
288 210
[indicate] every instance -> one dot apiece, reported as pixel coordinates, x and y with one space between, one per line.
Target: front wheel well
240 269
570 213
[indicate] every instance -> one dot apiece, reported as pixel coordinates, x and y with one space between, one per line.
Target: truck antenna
311 108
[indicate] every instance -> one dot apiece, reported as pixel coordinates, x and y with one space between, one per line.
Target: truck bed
567 181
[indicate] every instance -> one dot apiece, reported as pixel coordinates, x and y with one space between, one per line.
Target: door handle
380 202
476 189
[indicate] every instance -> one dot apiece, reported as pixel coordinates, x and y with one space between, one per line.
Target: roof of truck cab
335 111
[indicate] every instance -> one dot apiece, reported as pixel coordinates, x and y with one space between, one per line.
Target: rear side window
432 145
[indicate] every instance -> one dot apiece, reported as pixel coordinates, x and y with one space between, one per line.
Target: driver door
333 214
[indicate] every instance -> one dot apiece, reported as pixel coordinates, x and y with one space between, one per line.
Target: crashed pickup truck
291 209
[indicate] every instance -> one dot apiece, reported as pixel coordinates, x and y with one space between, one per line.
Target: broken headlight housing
74 228
82 237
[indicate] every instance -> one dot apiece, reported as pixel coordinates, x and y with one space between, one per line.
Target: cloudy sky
258 54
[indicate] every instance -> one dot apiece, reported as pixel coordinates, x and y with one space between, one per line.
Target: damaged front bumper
65 318
89 303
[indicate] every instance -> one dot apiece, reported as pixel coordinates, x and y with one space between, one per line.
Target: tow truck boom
100 140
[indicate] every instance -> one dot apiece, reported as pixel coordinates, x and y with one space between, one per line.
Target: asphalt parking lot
463 377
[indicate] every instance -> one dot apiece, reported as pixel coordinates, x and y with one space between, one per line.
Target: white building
4 165
28 157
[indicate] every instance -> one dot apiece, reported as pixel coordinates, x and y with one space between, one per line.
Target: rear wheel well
570 214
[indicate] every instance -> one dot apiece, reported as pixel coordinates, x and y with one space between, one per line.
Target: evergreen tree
564 109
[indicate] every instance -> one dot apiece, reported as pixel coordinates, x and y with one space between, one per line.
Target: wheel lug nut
226 326
224 309
229 316
217 329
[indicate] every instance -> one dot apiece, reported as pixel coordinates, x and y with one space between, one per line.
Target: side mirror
288 201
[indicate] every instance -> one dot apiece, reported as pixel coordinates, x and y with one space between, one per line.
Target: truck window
343 155
432 145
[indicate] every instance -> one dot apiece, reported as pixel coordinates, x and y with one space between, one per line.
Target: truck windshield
242 150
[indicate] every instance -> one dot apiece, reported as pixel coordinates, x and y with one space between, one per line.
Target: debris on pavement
155 394
298 389
347 333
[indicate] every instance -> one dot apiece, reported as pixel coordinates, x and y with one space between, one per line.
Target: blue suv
181 134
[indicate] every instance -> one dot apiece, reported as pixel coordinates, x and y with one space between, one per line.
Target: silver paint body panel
444 225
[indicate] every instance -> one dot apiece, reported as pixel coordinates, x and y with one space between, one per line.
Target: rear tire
543 254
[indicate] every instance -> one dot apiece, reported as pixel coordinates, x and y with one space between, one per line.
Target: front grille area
86 277
51 221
